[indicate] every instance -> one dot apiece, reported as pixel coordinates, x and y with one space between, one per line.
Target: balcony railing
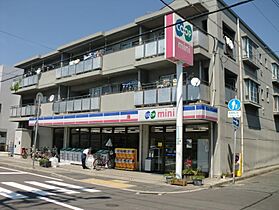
77 105
167 95
22 111
2 140
151 48
80 67
24 81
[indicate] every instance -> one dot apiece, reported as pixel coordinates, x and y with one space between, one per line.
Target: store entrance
162 147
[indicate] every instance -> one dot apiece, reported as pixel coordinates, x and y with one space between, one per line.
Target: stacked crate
125 158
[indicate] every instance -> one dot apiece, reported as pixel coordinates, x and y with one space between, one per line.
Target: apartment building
7 128
118 85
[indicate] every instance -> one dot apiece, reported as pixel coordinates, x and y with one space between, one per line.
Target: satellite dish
195 82
51 98
38 71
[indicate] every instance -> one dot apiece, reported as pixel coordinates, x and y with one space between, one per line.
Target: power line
276 3
265 17
147 32
26 40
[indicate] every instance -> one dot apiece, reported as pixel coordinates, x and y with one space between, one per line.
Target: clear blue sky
56 22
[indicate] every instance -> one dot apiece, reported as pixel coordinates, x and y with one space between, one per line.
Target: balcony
276 104
167 95
2 140
79 67
24 81
150 49
77 105
275 79
22 111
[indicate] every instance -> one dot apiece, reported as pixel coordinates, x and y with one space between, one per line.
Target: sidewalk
133 181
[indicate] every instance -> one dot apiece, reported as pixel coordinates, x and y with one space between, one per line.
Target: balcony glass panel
79 67
95 103
161 46
139 52
77 105
164 95
62 107
150 96
150 49
97 62
85 104
138 98
88 65
58 73
72 69
70 106
65 71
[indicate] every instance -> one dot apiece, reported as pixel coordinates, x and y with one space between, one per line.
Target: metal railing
80 67
230 93
24 81
23 111
78 104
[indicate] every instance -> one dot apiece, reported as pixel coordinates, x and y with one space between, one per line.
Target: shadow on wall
253 119
230 155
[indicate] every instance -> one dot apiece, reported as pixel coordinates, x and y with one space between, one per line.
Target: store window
119 130
74 139
157 129
133 130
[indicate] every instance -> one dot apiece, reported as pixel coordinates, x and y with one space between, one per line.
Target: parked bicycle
103 159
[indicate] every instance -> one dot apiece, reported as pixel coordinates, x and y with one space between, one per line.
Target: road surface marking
12 173
108 183
73 186
10 194
51 187
48 177
59 203
27 188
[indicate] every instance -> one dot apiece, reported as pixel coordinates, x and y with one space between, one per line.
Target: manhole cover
112 205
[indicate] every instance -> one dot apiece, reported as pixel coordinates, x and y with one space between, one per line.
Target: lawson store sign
133 116
179 39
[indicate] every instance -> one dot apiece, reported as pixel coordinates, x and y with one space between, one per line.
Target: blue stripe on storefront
111 114
82 116
129 112
57 117
188 108
96 115
69 116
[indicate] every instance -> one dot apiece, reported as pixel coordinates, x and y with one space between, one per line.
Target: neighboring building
101 87
7 128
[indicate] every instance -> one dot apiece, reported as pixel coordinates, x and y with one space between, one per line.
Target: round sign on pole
234 104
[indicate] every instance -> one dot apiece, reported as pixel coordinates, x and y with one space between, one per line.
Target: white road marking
48 177
12 173
10 194
73 186
59 203
51 187
27 188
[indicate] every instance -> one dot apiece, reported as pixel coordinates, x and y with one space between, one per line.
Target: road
25 190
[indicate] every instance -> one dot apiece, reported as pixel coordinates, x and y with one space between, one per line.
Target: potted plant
198 180
188 174
169 177
44 162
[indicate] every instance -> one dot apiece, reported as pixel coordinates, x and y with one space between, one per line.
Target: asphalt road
24 190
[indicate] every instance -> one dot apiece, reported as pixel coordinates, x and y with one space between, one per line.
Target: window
0 108
260 58
262 94
275 71
229 36
251 91
248 48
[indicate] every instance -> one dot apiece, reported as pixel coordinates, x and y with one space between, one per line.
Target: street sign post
234 106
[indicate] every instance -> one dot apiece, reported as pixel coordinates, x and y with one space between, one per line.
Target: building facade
118 85
7 128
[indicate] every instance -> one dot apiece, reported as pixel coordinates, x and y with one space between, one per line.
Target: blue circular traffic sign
234 104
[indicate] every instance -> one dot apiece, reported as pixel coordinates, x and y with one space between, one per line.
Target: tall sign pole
179 50
39 98
234 106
